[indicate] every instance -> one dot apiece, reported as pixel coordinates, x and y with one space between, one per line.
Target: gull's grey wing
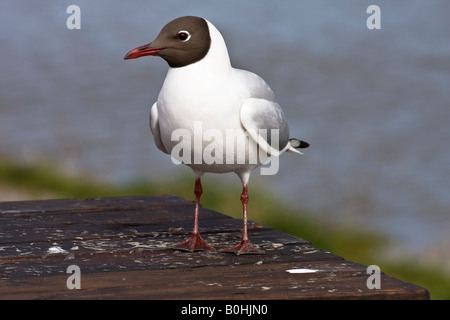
266 123
154 127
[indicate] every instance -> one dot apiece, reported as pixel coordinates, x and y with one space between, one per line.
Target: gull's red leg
245 247
195 241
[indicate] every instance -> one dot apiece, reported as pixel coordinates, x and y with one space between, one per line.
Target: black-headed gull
211 116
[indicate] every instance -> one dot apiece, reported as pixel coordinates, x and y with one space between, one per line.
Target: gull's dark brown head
181 42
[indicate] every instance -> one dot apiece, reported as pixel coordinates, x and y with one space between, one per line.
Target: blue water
374 104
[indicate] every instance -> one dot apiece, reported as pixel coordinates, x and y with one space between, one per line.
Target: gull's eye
183 35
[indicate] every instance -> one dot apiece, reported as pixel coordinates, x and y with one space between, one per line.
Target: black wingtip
303 144
300 144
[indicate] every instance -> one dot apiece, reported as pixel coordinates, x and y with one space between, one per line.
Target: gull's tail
297 144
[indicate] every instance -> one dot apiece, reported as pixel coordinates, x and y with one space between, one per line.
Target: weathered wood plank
333 280
122 246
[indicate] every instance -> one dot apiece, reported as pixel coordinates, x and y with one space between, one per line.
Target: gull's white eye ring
183 35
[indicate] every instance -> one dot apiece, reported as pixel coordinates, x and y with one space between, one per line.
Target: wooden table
121 246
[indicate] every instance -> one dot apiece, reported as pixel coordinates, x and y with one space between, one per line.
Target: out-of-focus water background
374 104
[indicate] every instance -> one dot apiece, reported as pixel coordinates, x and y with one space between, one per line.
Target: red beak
145 50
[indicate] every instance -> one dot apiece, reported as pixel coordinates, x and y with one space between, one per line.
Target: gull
204 100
